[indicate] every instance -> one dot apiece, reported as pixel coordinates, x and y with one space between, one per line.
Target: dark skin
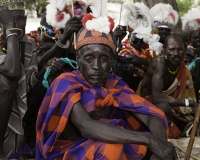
194 40
159 79
163 33
9 73
94 61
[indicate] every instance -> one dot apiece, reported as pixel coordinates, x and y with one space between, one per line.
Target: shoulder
158 63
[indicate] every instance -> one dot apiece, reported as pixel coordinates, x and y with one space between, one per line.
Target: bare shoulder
158 64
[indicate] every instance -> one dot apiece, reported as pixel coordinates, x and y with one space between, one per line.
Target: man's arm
103 132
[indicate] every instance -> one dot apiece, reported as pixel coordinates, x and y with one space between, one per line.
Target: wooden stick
193 133
183 150
120 12
74 32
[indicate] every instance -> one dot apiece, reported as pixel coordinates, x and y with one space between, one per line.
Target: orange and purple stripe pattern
70 88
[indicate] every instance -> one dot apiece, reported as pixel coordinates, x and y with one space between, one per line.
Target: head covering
58 12
151 39
191 21
97 26
13 4
163 15
135 15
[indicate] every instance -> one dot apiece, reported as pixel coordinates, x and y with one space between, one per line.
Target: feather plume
164 13
98 20
190 21
57 19
98 7
144 33
100 24
60 4
136 14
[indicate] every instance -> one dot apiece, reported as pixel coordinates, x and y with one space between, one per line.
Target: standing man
168 85
19 66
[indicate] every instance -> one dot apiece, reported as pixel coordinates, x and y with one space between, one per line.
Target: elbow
15 75
12 75
86 130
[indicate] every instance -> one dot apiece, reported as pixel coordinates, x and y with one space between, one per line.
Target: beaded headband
13 4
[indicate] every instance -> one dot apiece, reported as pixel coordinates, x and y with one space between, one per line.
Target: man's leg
167 110
7 91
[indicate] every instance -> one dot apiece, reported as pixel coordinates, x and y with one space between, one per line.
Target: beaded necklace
173 72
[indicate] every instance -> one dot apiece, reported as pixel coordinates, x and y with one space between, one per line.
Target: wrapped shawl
70 88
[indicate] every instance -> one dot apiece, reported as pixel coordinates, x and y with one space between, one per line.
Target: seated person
191 28
91 114
141 45
168 85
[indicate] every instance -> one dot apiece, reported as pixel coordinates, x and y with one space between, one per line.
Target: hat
163 16
58 12
13 4
97 26
135 15
191 20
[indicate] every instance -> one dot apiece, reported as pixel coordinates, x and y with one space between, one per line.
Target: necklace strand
173 72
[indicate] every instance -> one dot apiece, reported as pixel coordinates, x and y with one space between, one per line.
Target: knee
165 107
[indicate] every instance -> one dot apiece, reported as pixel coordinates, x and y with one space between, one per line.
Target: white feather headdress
98 20
136 14
144 33
58 12
164 14
191 20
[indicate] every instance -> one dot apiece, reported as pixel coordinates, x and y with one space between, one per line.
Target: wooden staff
120 12
74 32
193 133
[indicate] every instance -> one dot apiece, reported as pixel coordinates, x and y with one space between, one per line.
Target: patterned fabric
140 70
182 87
13 4
60 98
15 130
91 37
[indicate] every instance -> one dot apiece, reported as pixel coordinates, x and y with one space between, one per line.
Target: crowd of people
75 88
